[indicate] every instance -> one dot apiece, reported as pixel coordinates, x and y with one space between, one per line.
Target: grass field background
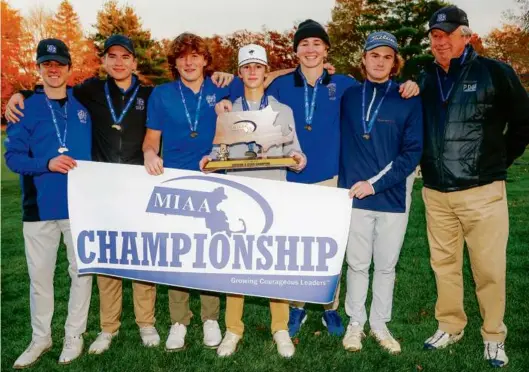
413 312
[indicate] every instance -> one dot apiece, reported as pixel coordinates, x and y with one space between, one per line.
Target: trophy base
269 162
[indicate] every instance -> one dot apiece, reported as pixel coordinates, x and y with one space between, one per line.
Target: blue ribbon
62 142
192 125
369 126
443 97
117 121
309 111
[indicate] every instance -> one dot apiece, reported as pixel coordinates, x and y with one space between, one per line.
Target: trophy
247 127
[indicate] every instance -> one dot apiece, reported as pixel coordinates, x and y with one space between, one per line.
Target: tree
346 37
509 44
65 26
407 20
520 18
152 61
17 62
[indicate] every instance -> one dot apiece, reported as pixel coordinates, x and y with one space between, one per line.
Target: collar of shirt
455 64
132 86
298 77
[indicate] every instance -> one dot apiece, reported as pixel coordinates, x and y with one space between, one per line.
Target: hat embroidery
251 52
82 115
51 48
441 17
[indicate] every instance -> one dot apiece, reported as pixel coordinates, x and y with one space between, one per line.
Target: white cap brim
253 60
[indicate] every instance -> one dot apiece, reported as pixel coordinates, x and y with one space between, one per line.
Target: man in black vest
476 121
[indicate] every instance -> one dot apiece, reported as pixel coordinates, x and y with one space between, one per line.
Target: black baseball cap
53 50
448 19
119 40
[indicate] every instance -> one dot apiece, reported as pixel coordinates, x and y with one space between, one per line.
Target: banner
210 232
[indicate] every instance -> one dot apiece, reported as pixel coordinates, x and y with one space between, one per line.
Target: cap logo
51 48
441 17
382 37
251 52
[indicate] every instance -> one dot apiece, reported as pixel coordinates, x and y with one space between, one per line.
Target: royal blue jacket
33 142
396 138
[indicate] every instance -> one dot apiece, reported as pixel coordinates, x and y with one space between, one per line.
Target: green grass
413 315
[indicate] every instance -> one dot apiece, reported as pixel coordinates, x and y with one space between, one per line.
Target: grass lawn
413 313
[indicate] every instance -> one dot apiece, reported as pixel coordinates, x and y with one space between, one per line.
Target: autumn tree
17 61
510 45
65 26
113 19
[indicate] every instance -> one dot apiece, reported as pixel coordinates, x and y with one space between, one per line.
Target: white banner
211 232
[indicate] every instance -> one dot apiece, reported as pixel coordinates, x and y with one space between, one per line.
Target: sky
168 18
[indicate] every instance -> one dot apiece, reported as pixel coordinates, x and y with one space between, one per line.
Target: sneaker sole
36 360
176 349
211 347
352 348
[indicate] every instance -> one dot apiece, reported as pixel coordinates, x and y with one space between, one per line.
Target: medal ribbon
62 142
309 111
117 121
368 126
192 125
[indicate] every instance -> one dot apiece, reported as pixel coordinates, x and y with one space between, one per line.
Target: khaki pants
111 295
333 182
479 217
234 311
179 306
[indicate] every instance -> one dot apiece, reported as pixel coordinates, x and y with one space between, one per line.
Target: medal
62 141
246 107
192 125
367 123
117 121
309 110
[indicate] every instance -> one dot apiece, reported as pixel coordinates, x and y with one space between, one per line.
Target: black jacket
486 124
108 144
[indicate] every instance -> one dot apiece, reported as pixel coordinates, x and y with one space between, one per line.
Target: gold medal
194 134
308 127
366 136
116 127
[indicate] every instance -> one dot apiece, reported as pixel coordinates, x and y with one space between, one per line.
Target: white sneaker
442 339
352 340
102 342
495 354
177 338
32 354
285 347
71 349
386 340
149 336
228 345
212 335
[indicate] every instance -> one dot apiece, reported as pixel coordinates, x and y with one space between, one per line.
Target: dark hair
184 44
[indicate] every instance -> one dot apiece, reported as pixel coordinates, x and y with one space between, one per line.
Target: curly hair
184 44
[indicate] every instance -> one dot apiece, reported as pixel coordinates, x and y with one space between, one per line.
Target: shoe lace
493 348
104 336
354 330
148 330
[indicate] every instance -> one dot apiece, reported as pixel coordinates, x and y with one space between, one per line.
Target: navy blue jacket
33 142
396 138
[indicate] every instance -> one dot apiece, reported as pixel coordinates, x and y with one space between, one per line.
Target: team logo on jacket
332 91
211 100
82 115
140 104
51 48
470 86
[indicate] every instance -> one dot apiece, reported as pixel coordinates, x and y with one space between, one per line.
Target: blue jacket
33 142
396 138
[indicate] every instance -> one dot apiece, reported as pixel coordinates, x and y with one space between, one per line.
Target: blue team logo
82 115
140 104
470 86
51 49
441 17
332 91
211 99
225 206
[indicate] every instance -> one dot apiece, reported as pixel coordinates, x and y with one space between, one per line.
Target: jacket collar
298 77
115 89
457 63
